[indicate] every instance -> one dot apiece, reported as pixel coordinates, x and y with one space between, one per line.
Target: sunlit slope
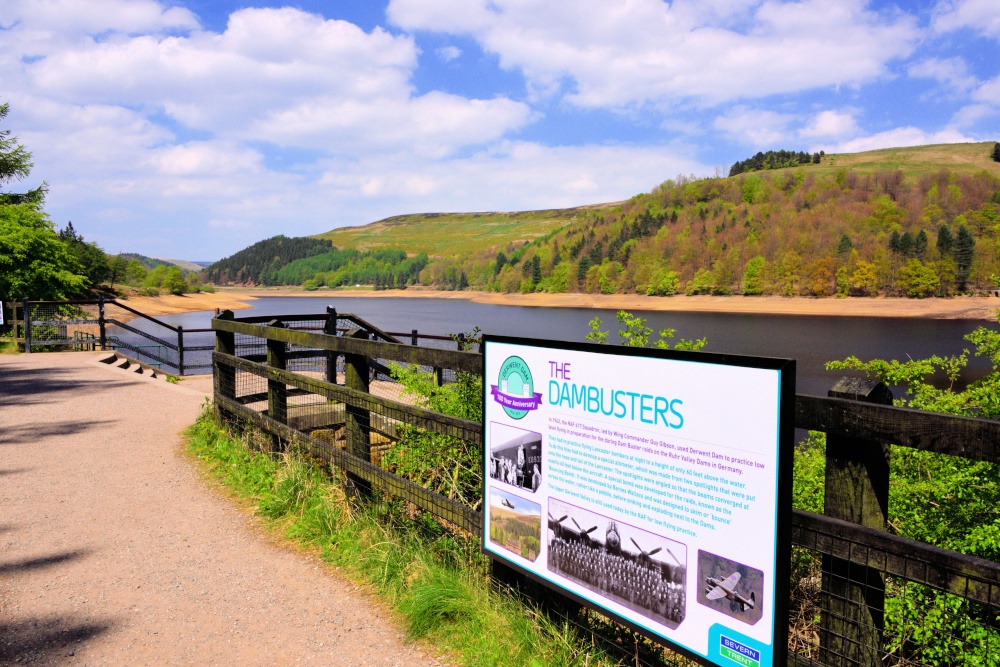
450 234
913 161
445 234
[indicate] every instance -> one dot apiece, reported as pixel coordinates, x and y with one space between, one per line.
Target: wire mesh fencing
53 325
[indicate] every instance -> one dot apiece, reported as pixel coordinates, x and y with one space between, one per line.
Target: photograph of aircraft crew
639 570
515 456
730 587
515 524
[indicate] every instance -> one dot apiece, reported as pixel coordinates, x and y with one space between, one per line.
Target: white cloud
55 19
953 73
982 16
448 53
755 127
989 92
830 124
646 51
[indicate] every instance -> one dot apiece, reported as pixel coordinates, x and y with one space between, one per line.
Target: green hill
445 234
917 221
448 234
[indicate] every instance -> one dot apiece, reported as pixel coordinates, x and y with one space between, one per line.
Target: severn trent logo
516 393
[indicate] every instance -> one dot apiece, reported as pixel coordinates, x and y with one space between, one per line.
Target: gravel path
115 552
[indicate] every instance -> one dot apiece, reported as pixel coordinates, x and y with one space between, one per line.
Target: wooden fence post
225 343
330 329
358 427
277 392
856 490
102 324
27 326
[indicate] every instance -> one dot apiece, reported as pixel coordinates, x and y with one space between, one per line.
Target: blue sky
191 129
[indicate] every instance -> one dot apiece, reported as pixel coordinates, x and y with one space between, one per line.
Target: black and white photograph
515 456
515 524
639 570
730 587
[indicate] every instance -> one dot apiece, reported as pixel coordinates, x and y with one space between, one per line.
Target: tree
845 245
996 151
753 276
864 280
34 262
92 260
174 281
501 261
920 244
945 241
964 247
15 165
917 280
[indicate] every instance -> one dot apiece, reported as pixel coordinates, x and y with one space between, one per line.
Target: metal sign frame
646 443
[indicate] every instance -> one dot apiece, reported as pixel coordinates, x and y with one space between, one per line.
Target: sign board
653 485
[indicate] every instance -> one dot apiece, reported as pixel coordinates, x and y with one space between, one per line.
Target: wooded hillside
800 231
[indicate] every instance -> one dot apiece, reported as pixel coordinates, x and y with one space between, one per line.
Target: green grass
447 234
914 161
434 580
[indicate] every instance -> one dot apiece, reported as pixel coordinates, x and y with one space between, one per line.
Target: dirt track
116 552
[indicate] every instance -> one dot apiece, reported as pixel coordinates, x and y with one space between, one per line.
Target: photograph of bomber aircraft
637 569
730 587
727 589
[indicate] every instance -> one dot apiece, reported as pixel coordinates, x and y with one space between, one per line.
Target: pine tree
964 247
945 241
996 151
845 245
15 165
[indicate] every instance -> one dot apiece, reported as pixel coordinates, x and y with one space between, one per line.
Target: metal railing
321 385
108 324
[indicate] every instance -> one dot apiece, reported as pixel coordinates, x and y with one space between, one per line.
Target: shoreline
979 308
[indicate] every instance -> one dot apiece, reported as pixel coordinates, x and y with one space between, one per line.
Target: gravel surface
116 552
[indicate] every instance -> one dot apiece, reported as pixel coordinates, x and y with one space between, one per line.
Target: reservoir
811 340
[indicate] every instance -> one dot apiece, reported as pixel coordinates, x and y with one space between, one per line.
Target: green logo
516 391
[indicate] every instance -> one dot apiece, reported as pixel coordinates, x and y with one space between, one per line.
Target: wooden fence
328 393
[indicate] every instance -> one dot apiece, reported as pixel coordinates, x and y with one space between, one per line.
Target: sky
191 129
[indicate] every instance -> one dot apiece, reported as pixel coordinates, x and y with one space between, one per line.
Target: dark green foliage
386 269
906 244
774 160
996 152
920 244
34 261
945 241
964 247
15 165
845 244
148 262
249 265
501 262
92 260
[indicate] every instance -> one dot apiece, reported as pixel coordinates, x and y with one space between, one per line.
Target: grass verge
435 581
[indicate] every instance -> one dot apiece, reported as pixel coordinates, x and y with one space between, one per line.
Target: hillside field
445 234
448 234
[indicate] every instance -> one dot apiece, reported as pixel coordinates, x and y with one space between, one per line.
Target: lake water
810 340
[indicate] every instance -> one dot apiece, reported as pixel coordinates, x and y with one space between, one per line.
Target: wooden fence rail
857 552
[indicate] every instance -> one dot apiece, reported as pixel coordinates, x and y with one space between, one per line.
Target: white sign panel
654 485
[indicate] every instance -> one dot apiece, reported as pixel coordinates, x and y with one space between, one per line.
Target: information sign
654 485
